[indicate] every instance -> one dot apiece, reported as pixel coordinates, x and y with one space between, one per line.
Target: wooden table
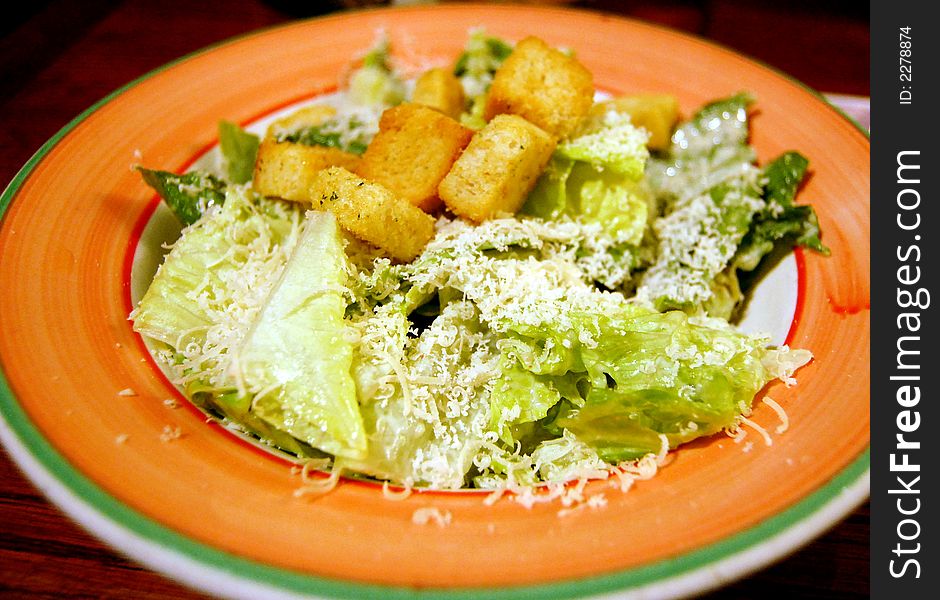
65 56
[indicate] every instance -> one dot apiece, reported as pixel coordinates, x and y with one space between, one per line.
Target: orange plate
228 510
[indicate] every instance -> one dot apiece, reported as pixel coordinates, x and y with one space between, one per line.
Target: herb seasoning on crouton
413 151
372 213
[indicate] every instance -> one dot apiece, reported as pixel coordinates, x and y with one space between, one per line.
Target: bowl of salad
445 301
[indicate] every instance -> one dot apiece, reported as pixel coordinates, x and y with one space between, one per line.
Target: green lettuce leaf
475 67
423 404
376 83
720 123
779 225
227 289
188 195
236 407
573 189
720 213
594 178
619 205
709 148
483 54
332 134
519 396
609 142
297 357
239 150
197 284
696 242
782 218
643 374
549 199
613 361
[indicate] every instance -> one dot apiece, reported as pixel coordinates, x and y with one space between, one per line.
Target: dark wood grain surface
57 58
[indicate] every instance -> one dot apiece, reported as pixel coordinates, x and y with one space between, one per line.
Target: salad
486 277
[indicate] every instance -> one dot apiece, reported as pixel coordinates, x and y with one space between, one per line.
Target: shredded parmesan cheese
127 392
423 516
758 429
594 502
494 496
170 433
388 494
736 433
312 464
318 486
784 419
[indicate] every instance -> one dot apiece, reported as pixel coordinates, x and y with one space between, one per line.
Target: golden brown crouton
657 113
286 169
542 84
413 151
372 213
309 116
440 89
498 169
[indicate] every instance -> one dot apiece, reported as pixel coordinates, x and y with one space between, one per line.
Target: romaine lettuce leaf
189 195
609 142
482 54
519 396
720 123
578 190
239 150
697 240
549 199
376 83
779 225
424 399
297 357
345 132
235 408
646 373
618 204
564 344
475 68
707 149
721 214
782 219
218 271
253 313
594 178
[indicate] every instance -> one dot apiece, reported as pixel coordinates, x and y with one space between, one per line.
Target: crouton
440 89
309 116
656 113
286 169
498 169
543 85
413 151
372 213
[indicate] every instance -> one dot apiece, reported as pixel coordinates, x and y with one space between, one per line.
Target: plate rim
160 548
136 535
